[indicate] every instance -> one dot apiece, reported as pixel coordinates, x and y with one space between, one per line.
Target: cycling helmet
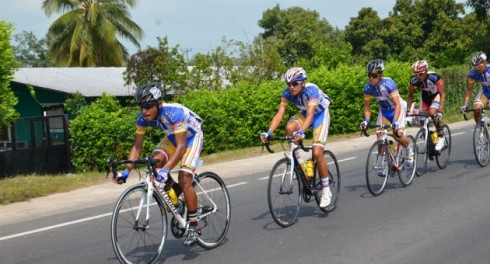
478 58
295 74
150 92
375 66
420 66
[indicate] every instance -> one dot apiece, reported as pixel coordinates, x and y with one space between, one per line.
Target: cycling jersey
310 95
482 78
429 88
172 118
382 92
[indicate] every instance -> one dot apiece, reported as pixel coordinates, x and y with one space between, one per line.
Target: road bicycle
289 184
138 239
388 158
481 140
426 140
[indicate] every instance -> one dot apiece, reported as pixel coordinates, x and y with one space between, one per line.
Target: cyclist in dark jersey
181 146
432 95
480 74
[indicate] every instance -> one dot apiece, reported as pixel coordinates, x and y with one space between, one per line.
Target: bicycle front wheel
442 157
481 144
407 170
284 193
214 210
422 152
333 182
134 239
377 167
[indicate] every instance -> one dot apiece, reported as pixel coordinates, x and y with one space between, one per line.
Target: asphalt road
441 218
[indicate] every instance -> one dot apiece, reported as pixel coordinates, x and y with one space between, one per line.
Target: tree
162 64
86 35
9 100
481 7
31 52
295 31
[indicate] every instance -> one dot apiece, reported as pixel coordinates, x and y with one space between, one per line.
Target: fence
36 145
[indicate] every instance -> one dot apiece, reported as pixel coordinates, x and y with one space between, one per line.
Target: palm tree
86 34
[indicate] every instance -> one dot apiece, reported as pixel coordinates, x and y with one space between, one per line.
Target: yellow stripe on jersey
140 130
471 80
313 101
284 101
179 127
367 97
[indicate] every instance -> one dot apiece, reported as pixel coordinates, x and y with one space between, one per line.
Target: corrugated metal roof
90 82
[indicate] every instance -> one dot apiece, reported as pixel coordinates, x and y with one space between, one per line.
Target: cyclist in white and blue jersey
314 113
481 74
181 146
392 107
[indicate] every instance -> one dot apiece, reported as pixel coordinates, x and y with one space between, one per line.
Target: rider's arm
395 98
309 117
139 138
469 90
411 91
442 92
180 138
367 107
276 120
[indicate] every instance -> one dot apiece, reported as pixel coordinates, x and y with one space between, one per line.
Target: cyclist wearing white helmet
314 113
481 74
392 107
432 95
181 146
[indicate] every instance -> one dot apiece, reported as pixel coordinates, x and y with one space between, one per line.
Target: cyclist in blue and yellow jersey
314 113
432 95
181 146
392 107
480 74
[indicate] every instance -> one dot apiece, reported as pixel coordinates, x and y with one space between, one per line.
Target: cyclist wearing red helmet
432 95
480 74
313 104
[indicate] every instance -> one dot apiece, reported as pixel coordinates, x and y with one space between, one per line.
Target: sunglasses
148 106
420 74
292 84
373 75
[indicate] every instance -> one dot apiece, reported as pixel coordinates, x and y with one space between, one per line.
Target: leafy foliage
31 52
86 35
9 100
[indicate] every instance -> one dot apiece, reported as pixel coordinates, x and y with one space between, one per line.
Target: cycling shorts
481 98
387 116
320 124
191 156
434 104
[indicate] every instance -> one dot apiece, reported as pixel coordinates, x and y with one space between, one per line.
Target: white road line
456 134
79 221
339 161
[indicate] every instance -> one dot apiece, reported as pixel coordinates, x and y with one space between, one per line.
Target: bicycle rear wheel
333 182
407 172
422 152
284 193
481 144
442 157
136 237
214 210
377 167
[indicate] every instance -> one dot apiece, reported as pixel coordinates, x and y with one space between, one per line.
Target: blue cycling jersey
482 78
310 95
382 92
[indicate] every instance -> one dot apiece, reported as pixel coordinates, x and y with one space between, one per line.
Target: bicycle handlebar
481 110
112 164
287 138
383 126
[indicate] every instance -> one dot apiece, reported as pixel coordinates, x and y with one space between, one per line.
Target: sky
197 25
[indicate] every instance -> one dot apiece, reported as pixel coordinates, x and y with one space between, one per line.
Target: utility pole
186 51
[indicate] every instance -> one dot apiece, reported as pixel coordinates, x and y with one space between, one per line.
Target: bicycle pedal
191 238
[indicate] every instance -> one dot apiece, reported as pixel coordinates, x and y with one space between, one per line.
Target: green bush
104 129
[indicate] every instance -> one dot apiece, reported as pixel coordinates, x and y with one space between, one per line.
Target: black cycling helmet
479 58
375 66
150 92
